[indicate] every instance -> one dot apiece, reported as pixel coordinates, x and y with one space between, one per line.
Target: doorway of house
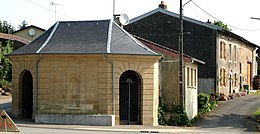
27 95
129 98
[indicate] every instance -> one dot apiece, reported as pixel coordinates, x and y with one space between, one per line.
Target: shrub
161 112
179 117
203 102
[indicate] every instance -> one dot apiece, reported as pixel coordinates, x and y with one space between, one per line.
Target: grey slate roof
174 15
85 37
211 26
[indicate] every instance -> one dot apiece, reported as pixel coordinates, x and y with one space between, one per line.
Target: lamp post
181 87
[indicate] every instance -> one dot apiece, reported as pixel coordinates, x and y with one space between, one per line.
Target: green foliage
257 112
5 64
207 102
161 112
222 25
23 25
5 27
203 102
179 117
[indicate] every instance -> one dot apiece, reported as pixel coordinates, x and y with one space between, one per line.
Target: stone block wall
82 84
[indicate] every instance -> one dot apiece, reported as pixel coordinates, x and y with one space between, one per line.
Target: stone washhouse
86 72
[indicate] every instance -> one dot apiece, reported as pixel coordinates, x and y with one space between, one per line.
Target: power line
50 9
222 21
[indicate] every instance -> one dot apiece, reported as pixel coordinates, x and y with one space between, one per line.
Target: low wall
95 120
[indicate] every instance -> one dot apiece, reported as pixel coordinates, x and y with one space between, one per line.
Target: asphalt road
231 116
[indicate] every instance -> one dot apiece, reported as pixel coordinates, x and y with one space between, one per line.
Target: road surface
231 116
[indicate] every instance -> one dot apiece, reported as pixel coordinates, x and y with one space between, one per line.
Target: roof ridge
170 13
49 37
109 36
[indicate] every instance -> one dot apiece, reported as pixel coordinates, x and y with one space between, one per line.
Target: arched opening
27 94
129 98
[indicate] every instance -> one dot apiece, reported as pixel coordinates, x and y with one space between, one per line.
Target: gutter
37 84
113 83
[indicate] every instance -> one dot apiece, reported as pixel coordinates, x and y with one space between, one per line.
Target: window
222 50
235 80
235 53
240 68
195 77
191 77
222 77
191 71
230 52
188 76
225 51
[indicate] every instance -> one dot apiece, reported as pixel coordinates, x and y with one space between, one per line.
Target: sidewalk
117 128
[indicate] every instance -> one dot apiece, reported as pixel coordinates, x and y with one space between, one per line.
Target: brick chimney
162 5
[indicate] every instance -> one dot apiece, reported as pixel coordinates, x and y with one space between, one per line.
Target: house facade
29 33
169 80
201 41
86 72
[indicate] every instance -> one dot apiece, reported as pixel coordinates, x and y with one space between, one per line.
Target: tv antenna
55 4
121 19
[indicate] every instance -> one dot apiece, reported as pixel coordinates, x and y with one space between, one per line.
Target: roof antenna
55 4
120 19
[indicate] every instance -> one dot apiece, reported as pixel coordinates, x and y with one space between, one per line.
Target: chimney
162 5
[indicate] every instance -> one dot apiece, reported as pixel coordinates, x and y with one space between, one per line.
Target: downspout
113 83
37 84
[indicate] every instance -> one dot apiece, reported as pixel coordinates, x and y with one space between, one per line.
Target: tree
222 25
5 27
23 25
5 63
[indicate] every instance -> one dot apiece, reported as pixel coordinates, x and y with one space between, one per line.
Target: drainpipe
37 85
113 83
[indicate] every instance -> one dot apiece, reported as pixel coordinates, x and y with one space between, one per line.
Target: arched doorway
129 98
27 95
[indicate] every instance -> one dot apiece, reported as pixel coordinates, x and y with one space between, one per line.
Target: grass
257 112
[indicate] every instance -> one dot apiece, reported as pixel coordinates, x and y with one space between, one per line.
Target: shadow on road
229 121
231 115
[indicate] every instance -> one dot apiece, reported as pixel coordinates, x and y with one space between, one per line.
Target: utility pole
181 78
181 92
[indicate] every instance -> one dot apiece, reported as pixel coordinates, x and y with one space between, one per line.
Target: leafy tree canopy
5 64
6 27
23 25
222 25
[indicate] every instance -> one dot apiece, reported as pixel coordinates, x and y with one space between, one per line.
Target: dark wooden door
27 95
129 99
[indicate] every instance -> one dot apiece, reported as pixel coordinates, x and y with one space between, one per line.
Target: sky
235 13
